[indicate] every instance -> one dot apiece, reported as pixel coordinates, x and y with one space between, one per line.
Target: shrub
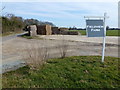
35 56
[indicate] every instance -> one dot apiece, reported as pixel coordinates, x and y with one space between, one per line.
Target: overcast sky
66 14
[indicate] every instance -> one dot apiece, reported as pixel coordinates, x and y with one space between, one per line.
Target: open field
109 32
113 33
71 72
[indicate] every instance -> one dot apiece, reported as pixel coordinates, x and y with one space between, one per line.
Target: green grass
70 72
109 32
113 33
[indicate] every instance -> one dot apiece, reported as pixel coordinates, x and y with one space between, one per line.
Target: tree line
12 23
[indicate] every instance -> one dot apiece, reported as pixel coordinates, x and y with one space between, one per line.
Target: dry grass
35 55
63 47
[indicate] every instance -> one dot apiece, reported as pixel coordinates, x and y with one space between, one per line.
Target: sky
63 14
119 14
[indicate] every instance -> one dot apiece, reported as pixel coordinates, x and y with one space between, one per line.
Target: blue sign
95 28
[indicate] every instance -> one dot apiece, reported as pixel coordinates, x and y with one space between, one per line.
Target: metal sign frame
104 21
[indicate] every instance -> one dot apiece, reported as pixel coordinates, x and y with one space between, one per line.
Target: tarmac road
5 38
7 64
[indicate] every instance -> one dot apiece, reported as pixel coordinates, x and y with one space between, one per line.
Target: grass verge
70 72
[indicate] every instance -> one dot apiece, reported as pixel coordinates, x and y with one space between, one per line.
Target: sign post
104 38
96 27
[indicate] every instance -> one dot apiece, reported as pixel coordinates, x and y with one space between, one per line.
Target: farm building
44 30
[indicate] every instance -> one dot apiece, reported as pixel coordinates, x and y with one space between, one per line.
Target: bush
35 56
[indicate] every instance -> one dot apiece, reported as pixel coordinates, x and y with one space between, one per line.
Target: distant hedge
12 23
